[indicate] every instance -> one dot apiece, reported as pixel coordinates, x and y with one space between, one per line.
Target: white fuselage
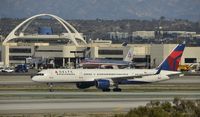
86 75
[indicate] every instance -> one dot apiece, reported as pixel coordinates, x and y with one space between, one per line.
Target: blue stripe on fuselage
133 82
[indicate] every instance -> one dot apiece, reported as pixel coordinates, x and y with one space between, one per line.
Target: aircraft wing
131 77
135 76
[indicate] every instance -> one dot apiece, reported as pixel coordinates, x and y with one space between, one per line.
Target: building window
139 60
111 52
18 57
49 51
20 50
76 51
190 60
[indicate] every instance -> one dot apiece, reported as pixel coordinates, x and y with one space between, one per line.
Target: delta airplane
106 63
104 79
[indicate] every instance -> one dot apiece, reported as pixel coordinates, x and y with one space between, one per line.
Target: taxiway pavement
35 102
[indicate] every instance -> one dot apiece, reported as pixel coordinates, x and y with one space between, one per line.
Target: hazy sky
105 9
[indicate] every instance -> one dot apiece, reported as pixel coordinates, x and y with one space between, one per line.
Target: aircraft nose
34 78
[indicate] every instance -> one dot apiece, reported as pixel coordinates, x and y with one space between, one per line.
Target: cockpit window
39 74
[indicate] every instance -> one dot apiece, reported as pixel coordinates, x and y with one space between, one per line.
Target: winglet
159 70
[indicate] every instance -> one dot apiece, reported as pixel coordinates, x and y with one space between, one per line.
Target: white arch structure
68 27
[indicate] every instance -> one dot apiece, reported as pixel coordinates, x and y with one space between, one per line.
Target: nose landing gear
50 87
117 89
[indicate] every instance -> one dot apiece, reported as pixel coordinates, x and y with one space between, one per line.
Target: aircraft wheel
117 90
51 90
50 87
106 90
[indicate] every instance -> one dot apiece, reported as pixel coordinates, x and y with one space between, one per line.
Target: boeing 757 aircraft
104 79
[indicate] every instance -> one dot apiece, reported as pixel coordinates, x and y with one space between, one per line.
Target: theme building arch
68 27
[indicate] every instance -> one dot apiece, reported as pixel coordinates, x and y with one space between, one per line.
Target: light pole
76 59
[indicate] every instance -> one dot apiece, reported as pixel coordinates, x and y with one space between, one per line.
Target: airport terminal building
68 47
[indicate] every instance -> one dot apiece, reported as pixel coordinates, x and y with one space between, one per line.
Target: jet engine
84 85
103 84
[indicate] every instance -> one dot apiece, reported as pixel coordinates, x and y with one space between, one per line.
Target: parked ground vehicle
21 68
193 66
184 68
1 68
9 70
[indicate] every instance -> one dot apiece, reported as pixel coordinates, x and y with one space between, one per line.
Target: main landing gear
106 90
116 89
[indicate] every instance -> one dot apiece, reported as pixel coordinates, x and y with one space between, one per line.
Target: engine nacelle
103 84
84 85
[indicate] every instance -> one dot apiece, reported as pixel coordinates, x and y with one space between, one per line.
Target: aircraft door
50 74
80 75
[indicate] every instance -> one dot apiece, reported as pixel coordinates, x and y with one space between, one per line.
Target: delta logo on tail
172 61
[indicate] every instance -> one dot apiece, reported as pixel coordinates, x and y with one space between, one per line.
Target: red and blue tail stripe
172 61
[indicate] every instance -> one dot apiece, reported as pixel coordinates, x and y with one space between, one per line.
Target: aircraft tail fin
129 56
172 61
